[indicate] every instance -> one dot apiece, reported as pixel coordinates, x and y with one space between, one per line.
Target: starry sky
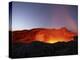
39 15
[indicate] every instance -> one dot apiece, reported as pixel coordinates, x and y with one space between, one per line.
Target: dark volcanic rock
39 49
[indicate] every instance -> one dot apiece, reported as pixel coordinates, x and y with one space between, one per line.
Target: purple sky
31 15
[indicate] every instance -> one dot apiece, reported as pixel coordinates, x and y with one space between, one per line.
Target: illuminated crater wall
43 35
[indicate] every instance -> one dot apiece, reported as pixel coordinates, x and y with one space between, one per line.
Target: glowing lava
44 35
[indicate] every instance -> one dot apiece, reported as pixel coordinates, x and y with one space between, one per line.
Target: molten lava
43 35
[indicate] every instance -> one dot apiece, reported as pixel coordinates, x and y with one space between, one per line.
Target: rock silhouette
40 49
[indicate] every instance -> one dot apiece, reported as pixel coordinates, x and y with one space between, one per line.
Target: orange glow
53 36
44 35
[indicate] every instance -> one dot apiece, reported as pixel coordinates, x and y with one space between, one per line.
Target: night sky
31 15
